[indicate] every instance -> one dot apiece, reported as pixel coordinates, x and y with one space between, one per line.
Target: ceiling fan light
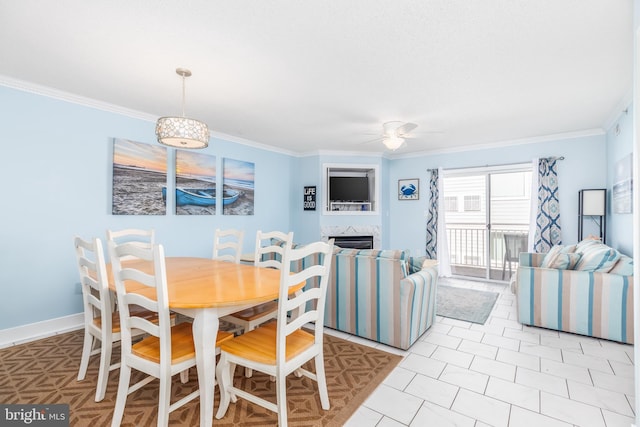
393 142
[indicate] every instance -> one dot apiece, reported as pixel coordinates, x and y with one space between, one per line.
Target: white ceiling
308 75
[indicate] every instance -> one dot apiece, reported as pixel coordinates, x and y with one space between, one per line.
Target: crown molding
75 99
506 143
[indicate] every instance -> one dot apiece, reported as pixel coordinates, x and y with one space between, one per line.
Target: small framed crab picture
409 189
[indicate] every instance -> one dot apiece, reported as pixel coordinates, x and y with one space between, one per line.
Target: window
472 203
450 204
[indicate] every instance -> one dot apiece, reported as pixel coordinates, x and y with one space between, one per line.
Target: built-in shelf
343 206
350 206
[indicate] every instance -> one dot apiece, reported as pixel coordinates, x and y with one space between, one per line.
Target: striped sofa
385 296
596 301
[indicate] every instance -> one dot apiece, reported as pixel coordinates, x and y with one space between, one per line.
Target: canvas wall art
622 194
195 183
239 184
139 175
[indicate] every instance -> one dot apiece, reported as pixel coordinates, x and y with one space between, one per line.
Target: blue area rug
465 304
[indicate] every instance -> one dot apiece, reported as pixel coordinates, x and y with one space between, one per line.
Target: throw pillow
624 266
548 259
599 259
415 263
564 261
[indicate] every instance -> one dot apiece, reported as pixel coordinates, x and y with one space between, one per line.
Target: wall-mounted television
349 188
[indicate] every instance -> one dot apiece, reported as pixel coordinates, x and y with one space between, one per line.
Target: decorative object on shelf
592 203
409 189
181 132
310 198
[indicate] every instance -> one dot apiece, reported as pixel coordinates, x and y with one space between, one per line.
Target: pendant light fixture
181 132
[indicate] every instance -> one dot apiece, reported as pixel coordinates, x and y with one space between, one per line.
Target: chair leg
103 371
281 399
123 391
224 378
322 382
164 399
86 354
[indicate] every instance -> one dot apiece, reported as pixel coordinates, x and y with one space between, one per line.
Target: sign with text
310 198
34 415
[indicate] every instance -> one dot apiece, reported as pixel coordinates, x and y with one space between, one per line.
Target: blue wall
56 181
584 166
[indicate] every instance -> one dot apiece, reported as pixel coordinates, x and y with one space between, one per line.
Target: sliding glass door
487 218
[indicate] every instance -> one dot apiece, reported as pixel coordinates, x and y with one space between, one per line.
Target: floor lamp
592 203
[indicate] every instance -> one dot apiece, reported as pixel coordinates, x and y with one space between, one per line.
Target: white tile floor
502 374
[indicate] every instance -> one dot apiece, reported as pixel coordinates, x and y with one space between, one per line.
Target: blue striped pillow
624 266
598 258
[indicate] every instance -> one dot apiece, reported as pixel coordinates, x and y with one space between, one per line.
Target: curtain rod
492 166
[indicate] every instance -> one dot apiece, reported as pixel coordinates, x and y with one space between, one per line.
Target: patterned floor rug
45 372
465 304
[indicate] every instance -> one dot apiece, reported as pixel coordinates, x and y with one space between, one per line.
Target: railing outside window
467 244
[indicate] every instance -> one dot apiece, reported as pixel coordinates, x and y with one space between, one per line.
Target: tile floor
502 374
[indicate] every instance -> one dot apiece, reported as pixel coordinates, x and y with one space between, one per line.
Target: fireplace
353 242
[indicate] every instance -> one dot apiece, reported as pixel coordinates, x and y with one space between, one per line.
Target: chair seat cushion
259 345
182 346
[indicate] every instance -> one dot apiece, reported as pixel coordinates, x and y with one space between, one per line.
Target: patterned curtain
432 216
548 213
437 246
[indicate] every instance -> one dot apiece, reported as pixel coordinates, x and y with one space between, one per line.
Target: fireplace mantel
352 230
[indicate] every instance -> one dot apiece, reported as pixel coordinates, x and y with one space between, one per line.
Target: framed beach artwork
195 183
622 194
238 187
139 175
409 189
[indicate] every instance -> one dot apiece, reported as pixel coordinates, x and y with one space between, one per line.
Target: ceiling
303 75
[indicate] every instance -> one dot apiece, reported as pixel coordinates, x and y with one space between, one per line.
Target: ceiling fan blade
377 139
405 128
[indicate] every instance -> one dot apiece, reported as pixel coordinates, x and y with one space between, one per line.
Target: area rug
465 304
45 372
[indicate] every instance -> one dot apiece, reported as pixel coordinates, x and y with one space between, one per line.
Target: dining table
205 289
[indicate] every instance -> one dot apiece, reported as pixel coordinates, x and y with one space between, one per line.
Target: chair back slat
227 245
270 248
139 237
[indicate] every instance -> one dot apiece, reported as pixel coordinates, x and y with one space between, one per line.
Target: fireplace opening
353 242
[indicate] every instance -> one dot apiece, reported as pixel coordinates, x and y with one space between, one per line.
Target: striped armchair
593 303
384 296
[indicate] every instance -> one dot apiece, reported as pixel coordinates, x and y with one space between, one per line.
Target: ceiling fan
395 132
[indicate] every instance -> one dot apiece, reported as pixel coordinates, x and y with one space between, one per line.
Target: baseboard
35 331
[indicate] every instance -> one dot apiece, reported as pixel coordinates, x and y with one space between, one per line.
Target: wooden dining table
205 290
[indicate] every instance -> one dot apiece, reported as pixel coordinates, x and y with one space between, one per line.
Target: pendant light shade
182 132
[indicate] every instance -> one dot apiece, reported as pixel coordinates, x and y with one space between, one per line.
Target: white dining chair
100 322
227 245
166 350
270 247
283 347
